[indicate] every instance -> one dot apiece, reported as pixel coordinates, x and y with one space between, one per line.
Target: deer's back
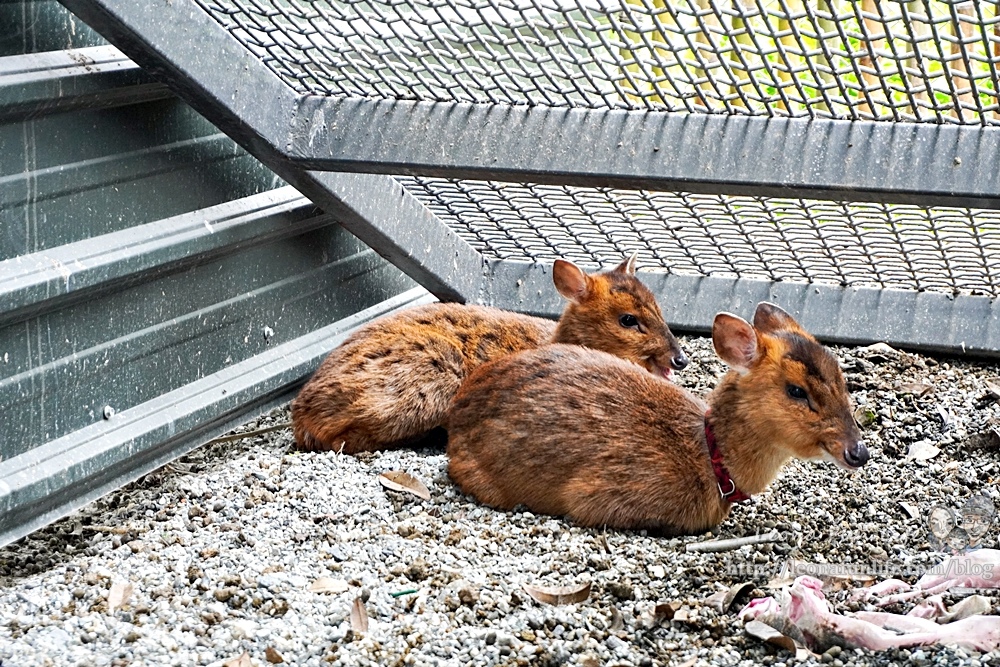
393 379
569 431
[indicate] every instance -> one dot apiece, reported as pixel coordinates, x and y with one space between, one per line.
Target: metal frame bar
56 277
237 93
98 76
899 163
925 321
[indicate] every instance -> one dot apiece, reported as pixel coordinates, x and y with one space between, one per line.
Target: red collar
727 487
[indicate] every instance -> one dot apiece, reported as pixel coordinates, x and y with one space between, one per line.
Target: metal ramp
158 285
838 157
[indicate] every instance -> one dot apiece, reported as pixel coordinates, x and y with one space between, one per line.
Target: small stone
617 646
270 582
279 607
223 594
243 629
211 617
272 656
418 570
468 596
621 590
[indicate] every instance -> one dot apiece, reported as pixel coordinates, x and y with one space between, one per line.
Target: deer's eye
629 321
796 392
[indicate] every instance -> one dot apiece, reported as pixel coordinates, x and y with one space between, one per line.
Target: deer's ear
628 266
770 318
735 341
570 280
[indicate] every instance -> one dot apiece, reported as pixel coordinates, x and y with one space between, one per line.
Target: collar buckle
727 487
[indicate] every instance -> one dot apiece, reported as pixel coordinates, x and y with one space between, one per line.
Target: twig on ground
735 543
248 434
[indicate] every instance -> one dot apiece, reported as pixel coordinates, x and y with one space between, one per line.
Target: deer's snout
856 455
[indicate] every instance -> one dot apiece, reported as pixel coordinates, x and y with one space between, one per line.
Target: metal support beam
56 277
244 99
923 321
35 84
825 159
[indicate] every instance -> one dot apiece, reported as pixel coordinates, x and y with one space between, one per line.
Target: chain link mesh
952 250
919 61
926 61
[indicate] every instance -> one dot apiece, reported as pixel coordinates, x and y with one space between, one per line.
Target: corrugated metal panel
149 267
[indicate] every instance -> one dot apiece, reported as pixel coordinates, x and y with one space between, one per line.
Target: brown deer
392 381
579 433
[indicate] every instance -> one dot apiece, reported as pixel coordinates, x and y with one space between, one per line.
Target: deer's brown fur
579 433
393 380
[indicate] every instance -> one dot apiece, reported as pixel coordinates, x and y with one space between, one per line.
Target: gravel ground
221 548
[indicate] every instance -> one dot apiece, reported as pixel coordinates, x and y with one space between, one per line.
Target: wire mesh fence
859 244
924 61
918 62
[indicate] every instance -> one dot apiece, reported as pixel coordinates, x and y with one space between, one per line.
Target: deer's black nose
679 362
856 455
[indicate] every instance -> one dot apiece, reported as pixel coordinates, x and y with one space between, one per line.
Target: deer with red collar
577 433
393 380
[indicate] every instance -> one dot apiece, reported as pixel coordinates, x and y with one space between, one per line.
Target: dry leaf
993 388
239 661
911 510
665 611
118 595
559 595
881 348
987 438
328 585
918 389
617 622
683 615
864 416
970 606
766 633
724 599
397 480
359 616
272 656
922 451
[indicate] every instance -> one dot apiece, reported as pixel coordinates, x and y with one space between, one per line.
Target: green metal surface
36 26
